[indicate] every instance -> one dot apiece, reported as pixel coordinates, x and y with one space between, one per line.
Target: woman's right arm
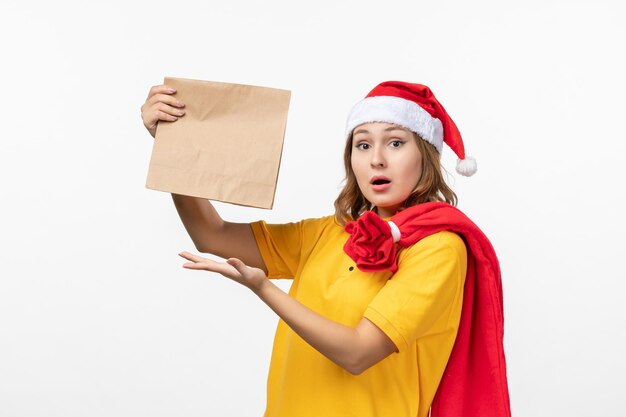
209 233
213 235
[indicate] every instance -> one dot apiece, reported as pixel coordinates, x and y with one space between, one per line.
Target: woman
381 288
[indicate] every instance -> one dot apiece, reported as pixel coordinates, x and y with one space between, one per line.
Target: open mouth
380 181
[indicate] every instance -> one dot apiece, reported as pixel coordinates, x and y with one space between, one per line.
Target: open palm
233 268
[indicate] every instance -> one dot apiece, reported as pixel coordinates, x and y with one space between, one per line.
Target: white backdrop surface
97 316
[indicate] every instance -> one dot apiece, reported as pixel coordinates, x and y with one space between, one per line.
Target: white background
97 316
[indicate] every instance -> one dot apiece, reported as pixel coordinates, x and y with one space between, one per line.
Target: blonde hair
431 186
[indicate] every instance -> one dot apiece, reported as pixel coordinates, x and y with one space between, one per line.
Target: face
387 164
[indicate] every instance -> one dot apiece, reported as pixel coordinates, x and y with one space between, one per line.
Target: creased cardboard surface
227 147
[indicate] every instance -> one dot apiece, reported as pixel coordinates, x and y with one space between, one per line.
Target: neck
384 213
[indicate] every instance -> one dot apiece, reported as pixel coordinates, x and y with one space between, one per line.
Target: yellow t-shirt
418 307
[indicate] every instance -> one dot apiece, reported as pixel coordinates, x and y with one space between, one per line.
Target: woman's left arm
354 349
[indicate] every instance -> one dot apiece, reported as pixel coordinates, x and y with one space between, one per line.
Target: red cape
474 383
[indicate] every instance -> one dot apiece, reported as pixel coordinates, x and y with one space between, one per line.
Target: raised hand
160 105
233 268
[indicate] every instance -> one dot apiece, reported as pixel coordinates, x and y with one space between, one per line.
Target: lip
379 177
380 187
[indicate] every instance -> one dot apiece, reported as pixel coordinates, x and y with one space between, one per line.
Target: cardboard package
227 147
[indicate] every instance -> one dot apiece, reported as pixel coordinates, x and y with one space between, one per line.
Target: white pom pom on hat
466 167
414 107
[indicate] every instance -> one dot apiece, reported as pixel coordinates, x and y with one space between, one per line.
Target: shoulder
317 225
437 261
445 238
307 229
324 221
309 223
443 244
325 227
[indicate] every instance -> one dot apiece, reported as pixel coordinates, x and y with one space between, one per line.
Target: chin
386 203
391 208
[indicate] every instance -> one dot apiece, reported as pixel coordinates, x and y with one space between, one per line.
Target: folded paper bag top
227 147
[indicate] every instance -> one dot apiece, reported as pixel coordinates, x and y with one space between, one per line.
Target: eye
397 143
362 146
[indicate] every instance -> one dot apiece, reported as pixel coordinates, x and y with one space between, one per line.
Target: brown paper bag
227 146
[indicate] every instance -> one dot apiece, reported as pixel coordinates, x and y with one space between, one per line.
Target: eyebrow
389 129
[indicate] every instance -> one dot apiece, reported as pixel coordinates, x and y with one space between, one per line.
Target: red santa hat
412 106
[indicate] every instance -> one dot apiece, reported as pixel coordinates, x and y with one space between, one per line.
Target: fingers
192 257
253 278
160 111
200 263
166 112
162 93
161 105
233 268
160 89
238 265
163 98
150 119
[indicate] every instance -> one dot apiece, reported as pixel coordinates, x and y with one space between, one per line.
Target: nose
377 159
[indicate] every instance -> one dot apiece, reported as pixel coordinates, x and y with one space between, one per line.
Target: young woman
396 305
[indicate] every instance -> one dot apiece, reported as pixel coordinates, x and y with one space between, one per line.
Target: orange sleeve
284 246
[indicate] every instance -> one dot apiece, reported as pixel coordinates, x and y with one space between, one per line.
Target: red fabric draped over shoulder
474 383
